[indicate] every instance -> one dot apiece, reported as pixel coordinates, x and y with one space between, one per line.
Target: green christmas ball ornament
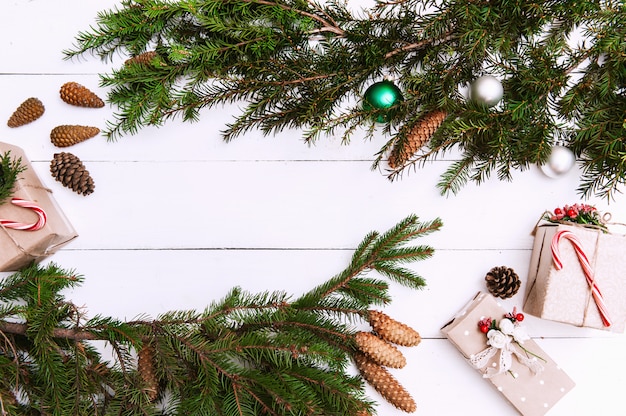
382 95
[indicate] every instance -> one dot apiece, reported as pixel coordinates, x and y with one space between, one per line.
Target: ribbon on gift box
586 266
16 225
505 360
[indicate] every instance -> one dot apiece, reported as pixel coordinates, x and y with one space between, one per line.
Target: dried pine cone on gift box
29 111
70 171
502 282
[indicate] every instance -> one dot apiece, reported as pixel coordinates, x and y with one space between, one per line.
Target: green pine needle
245 354
303 65
10 169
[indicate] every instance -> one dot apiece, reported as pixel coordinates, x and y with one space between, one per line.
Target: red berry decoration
484 329
519 317
571 213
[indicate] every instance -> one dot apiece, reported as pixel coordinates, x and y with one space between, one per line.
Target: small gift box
32 226
577 275
496 344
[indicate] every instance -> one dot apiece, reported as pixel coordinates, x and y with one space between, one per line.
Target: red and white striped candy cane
586 266
15 225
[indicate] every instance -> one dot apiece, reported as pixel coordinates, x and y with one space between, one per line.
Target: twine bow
586 266
16 225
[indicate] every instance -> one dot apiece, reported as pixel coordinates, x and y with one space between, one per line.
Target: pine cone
145 368
70 171
380 351
393 331
143 58
68 135
419 135
384 383
30 110
502 282
75 94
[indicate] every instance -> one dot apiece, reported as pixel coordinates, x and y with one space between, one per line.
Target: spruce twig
10 169
299 64
245 354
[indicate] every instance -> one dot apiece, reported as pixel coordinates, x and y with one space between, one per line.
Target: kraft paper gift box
18 248
533 383
565 295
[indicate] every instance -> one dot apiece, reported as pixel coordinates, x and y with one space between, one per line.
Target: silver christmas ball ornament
561 161
486 90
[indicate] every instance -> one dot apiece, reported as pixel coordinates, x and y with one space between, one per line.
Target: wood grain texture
178 217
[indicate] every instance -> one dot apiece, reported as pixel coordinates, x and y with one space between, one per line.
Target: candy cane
584 262
41 221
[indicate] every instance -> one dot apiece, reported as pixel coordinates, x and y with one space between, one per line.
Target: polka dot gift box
495 343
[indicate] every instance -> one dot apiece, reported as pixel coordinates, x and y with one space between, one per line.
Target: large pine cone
145 368
70 171
68 135
502 282
29 111
75 94
393 331
384 383
419 135
379 350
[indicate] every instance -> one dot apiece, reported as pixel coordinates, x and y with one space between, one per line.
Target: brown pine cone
70 171
384 383
143 58
393 331
145 368
380 351
68 135
29 111
502 282
419 135
75 94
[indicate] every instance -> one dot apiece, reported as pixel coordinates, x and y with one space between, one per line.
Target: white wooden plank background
179 217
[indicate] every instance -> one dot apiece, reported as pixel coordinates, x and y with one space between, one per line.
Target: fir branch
456 176
369 258
296 64
65 333
9 170
244 354
327 25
